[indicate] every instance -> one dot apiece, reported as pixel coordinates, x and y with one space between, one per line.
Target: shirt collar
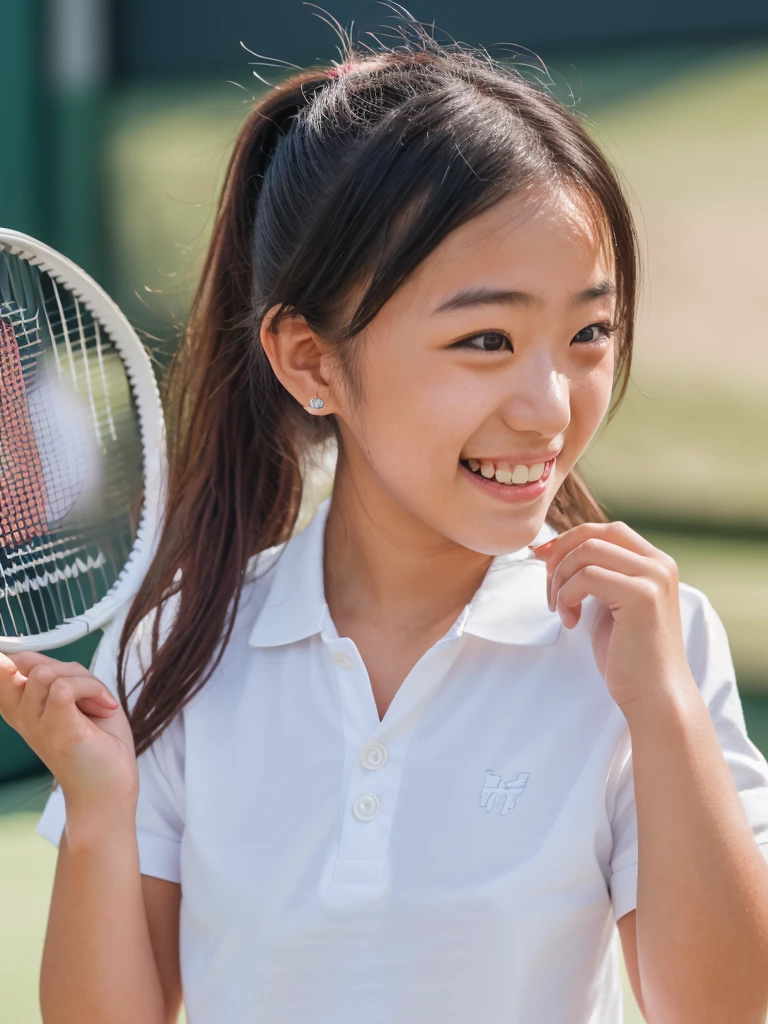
509 607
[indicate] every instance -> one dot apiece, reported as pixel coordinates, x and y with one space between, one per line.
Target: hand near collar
637 637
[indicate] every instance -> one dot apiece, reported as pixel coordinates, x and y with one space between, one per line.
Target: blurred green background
122 116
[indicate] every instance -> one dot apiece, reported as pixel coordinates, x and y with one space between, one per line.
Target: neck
383 565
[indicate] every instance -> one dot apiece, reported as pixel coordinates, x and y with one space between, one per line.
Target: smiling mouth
506 473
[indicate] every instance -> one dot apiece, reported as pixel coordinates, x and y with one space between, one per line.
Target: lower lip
511 492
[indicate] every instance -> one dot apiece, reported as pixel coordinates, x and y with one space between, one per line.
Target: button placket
368 811
357 704
342 660
375 755
366 807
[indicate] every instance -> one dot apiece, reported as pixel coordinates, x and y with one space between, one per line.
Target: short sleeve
709 657
160 805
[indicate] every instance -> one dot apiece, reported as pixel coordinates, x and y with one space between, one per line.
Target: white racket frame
151 425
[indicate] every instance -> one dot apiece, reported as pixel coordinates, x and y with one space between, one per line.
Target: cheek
416 418
590 398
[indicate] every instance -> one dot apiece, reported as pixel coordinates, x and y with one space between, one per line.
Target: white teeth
506 474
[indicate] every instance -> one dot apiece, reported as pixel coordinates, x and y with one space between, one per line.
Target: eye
605 330
487 341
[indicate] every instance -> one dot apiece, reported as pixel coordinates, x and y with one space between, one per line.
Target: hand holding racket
74 725
82 460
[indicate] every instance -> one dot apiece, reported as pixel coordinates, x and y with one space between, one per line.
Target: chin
476 521
519 530
501 546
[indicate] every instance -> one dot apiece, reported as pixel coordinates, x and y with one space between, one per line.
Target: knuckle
43 673
664 570
61 691
593 545
592 572
670 566
621 529
647 590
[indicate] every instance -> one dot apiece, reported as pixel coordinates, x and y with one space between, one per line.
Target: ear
299 358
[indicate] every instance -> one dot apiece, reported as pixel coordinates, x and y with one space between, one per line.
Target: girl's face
497 351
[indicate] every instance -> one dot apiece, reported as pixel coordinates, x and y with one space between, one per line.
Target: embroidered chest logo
495 793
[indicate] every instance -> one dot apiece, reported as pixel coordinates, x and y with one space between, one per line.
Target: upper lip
515 460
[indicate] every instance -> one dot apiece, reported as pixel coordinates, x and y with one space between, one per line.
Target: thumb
9 668
101 706
25 661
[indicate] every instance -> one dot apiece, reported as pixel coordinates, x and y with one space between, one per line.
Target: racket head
82 451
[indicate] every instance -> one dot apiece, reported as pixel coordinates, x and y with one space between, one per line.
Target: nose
538 400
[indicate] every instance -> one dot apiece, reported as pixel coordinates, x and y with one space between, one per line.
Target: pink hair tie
343 69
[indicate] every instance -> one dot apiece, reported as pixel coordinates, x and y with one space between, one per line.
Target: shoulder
256 584
259 566
701 623
709 653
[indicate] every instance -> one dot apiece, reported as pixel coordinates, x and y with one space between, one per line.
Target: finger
95 708
11 689
26 660
62 719
8 666
595 551
616 533
596 581
43 674
78 686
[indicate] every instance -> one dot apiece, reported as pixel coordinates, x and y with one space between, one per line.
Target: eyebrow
496 296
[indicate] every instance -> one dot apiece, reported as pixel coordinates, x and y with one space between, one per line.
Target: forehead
542 242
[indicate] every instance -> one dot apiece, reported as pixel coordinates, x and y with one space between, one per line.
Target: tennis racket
82 451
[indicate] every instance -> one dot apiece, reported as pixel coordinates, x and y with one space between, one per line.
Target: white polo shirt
463 860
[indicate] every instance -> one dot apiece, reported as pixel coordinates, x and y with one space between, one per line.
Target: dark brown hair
338 187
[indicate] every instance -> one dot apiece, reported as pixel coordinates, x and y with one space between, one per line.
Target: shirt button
366 807
342 660
373 756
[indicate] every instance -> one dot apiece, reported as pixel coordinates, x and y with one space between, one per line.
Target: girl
396 766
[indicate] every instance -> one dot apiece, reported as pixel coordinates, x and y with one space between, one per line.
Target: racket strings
69 328
26 338
23 495
71 476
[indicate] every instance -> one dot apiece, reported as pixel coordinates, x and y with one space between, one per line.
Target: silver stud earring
316 403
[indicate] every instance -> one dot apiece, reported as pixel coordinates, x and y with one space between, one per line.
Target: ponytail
234 484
